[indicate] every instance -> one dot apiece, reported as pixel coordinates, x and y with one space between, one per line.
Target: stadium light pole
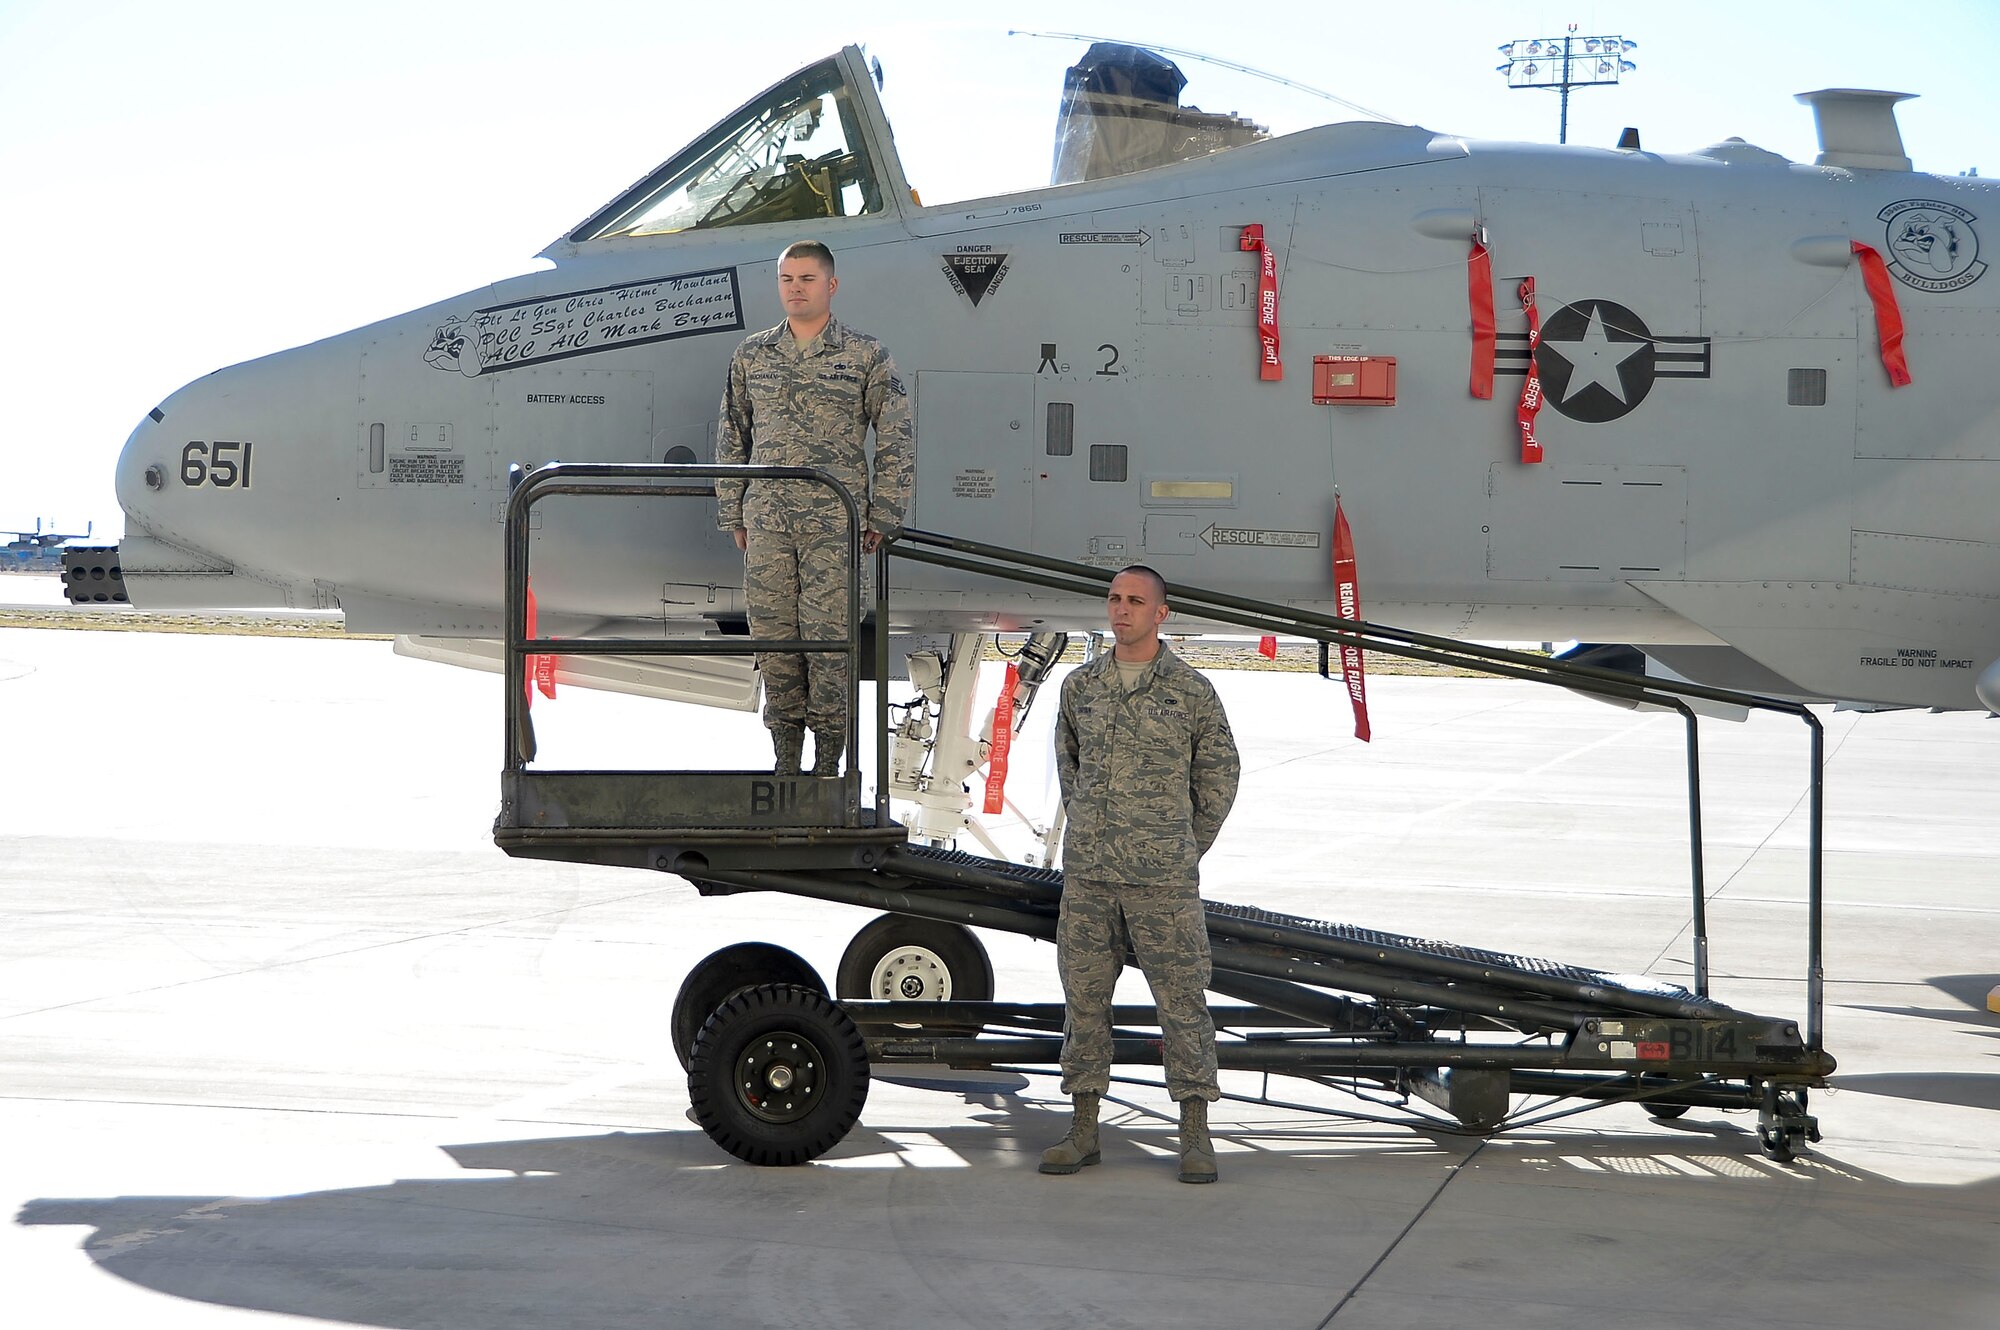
1565 62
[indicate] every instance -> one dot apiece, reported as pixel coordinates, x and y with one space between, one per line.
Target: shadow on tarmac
954 1226
1968 991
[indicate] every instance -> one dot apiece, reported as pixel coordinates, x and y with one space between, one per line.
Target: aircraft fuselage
1725 459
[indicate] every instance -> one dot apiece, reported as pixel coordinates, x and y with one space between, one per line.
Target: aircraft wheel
1667 1112
900 958
722 975
778 1075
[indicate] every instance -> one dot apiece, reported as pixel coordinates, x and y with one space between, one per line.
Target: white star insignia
1595 358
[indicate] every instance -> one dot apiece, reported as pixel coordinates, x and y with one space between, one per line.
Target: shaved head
805 287
1141 570
809 249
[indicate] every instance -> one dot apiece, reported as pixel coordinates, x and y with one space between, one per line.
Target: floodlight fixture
1562 63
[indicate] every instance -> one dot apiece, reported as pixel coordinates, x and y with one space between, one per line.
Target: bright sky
192 184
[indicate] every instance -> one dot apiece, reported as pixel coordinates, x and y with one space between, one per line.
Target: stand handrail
1089 582
666 479
1023 566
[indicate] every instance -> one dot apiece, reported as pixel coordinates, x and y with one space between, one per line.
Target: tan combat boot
1078 1150
1197 1151
790 743
826 752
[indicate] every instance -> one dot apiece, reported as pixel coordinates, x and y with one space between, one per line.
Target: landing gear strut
933 755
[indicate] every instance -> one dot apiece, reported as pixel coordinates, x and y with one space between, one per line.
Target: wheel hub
911 974
780 1077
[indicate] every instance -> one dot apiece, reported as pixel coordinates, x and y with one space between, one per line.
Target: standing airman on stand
806 393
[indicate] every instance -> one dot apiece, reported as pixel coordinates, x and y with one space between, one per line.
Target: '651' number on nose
222 464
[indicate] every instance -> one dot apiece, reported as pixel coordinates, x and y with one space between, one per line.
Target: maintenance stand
1445 1037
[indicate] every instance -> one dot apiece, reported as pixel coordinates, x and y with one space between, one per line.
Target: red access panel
1354 380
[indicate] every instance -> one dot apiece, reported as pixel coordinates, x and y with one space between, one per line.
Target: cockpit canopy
816 145
797 152
1121 112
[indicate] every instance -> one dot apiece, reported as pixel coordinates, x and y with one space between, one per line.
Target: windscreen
794 154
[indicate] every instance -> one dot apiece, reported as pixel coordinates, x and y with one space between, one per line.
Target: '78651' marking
223 464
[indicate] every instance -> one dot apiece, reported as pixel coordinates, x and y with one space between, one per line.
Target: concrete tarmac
285 1041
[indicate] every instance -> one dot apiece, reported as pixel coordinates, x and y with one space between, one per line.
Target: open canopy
813 145
817 145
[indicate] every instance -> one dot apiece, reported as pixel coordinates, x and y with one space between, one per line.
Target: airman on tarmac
1149 770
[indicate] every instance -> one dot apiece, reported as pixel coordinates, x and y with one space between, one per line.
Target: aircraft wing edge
729 683
1847 642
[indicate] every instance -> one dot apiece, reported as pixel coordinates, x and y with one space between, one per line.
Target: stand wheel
1777 1143
1667 1112
778 1075
724 974
1782 1122
899 958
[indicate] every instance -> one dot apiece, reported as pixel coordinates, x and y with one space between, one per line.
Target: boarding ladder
1460 1027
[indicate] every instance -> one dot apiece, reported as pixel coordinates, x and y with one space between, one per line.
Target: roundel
1597 360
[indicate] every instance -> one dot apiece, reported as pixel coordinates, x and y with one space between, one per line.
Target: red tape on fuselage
1531 391
1888 316
1347 590
1479 294
1269 367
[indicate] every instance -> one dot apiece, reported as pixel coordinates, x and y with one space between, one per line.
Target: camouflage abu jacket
1147 776
787 405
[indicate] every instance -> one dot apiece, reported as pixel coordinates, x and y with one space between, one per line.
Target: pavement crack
1712 895
1390 1250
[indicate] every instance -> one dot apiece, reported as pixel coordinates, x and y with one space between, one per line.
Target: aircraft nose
139 477
188 490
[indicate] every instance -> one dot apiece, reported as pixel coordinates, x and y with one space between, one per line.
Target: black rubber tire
1667 1112
786 1036
723 974
928 946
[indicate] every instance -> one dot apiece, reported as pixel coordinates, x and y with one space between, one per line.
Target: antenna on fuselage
1215 60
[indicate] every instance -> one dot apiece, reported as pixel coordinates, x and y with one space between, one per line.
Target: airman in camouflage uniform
1149 771
805 393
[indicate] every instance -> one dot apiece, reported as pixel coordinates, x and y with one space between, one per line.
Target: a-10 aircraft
37 551
1730 474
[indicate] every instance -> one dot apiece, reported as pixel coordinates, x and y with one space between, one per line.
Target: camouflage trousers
795 587
1169 938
